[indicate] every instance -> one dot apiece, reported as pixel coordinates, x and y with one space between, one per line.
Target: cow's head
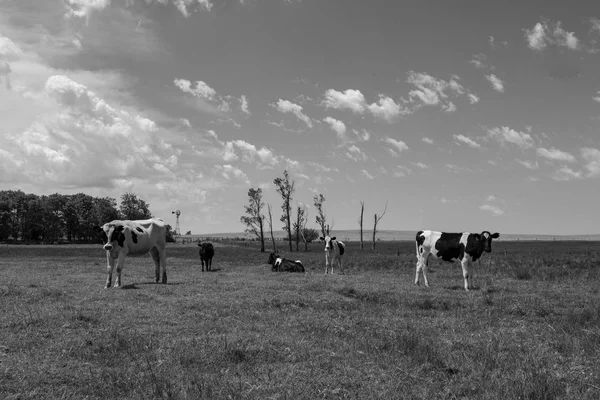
272 258
487 240
112 236
328 244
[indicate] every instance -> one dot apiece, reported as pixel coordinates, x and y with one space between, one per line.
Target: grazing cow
334 250
282 265
134 238
465 247
207 251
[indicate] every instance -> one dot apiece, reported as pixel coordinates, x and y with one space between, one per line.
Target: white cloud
387 109
349 99
555 154
244 104
397 146
363 135
591 157
427 140
401 171
83 141
432 91
496 82
286 106
597 98
421 165
201 90
528 164
367 174
338 126
262 158
549 33
566 174
185 122
473 98
230 172
83 8
466 140
506 135
356 154
496 211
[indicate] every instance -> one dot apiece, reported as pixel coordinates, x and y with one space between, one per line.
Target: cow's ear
96 228
495 235
333 238
321 238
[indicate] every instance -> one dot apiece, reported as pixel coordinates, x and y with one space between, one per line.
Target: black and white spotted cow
334 250
134 238
280 264
465 247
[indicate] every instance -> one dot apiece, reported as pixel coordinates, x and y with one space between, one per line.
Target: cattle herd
124 238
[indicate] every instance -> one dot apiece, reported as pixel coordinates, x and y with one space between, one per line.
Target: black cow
465 247
280 264
207 251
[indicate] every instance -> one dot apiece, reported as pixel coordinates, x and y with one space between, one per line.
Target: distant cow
465 247
334 250
280 264
134 238
207 251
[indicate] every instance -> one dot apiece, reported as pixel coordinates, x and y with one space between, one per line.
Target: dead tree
286 189
321 219
271 228
375 222
360 222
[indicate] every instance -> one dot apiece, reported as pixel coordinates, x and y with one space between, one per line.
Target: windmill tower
177 214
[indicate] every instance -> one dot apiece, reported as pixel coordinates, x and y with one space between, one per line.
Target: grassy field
530 330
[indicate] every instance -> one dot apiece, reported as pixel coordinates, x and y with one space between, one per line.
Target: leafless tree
254 219
300 225
360 222
375 222
271 228
286 189
320 218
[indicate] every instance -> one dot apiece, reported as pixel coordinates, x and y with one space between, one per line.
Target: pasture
530 329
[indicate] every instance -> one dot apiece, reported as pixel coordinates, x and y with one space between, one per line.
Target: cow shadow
461 287
130 286
214 270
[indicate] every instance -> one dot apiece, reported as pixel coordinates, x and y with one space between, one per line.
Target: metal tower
177 214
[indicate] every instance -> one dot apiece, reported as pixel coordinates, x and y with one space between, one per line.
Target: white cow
465 247
334 250
134 238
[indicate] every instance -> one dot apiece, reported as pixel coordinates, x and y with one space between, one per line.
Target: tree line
28 217
296 228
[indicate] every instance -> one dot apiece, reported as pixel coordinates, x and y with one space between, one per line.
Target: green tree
254 219
133 208
286 189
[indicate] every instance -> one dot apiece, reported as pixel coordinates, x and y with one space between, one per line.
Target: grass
531 328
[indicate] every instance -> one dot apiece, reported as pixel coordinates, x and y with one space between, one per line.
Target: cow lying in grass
206 252
280 264
465 247
134 238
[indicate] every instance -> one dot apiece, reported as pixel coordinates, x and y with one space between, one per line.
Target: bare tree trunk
297 231
362 212
271 228
375 222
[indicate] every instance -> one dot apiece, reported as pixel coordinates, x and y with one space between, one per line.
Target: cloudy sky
462 115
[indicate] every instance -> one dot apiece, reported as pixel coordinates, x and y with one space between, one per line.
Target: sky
460 116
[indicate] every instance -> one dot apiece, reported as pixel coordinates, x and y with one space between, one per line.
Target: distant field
387 235
530 329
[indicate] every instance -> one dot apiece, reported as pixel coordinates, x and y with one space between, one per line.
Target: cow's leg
326 262
209 264
422 260
163 264
466 268
156 258
110 265
202 261
120 265
341 266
